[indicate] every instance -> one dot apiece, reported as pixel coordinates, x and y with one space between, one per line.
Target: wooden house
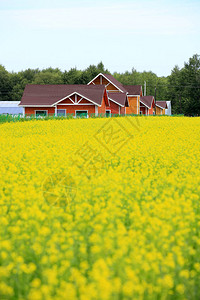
134 93
77 100
147 105
102 95
160 107
117 94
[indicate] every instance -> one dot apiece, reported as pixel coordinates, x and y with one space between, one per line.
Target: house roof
147 100
115 82
162 104
119 98
48 95
133 89
112 80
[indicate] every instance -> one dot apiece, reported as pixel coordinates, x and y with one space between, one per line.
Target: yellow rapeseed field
104 208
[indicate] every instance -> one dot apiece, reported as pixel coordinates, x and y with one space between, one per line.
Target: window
108 113
41 113
61 112
81 113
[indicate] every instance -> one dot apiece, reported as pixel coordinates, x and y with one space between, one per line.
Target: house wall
151 110
122 110
114 108
70 109
31 110
168 110
133 102
102 108
159 111
144 110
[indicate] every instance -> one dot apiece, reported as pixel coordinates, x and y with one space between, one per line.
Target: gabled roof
162 104
119 98
147 100
48 95
112 80
133 89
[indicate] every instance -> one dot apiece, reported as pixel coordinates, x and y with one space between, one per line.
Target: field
100 209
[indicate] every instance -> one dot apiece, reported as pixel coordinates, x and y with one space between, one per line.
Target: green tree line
182 86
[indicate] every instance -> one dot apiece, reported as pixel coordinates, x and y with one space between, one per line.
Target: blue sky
147 35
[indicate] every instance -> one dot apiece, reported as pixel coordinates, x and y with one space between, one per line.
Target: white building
10 107
168 111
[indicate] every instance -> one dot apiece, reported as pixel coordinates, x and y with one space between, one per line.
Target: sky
147 35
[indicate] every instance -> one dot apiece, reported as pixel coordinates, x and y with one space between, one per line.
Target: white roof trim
144 104
160 106
39 105
106 79
75 93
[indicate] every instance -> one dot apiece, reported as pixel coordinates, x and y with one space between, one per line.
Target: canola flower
100 209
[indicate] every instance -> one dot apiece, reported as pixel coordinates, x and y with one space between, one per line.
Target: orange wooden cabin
134 95
160 107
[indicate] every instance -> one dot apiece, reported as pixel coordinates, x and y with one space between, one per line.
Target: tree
72 76
184 87
5 84
47 78
191 80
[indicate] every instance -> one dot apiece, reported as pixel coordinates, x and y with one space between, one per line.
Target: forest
182 86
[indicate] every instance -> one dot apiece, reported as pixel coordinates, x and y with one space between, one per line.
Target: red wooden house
102 95
117 94
78 100
147 105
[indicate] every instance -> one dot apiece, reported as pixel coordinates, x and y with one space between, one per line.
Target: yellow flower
36 283
185 274
180 289
72 225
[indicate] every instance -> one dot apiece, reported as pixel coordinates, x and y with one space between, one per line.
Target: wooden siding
70 109
122 110
144 110
151 110
102 108
31 110
159 111
133 102
115 108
